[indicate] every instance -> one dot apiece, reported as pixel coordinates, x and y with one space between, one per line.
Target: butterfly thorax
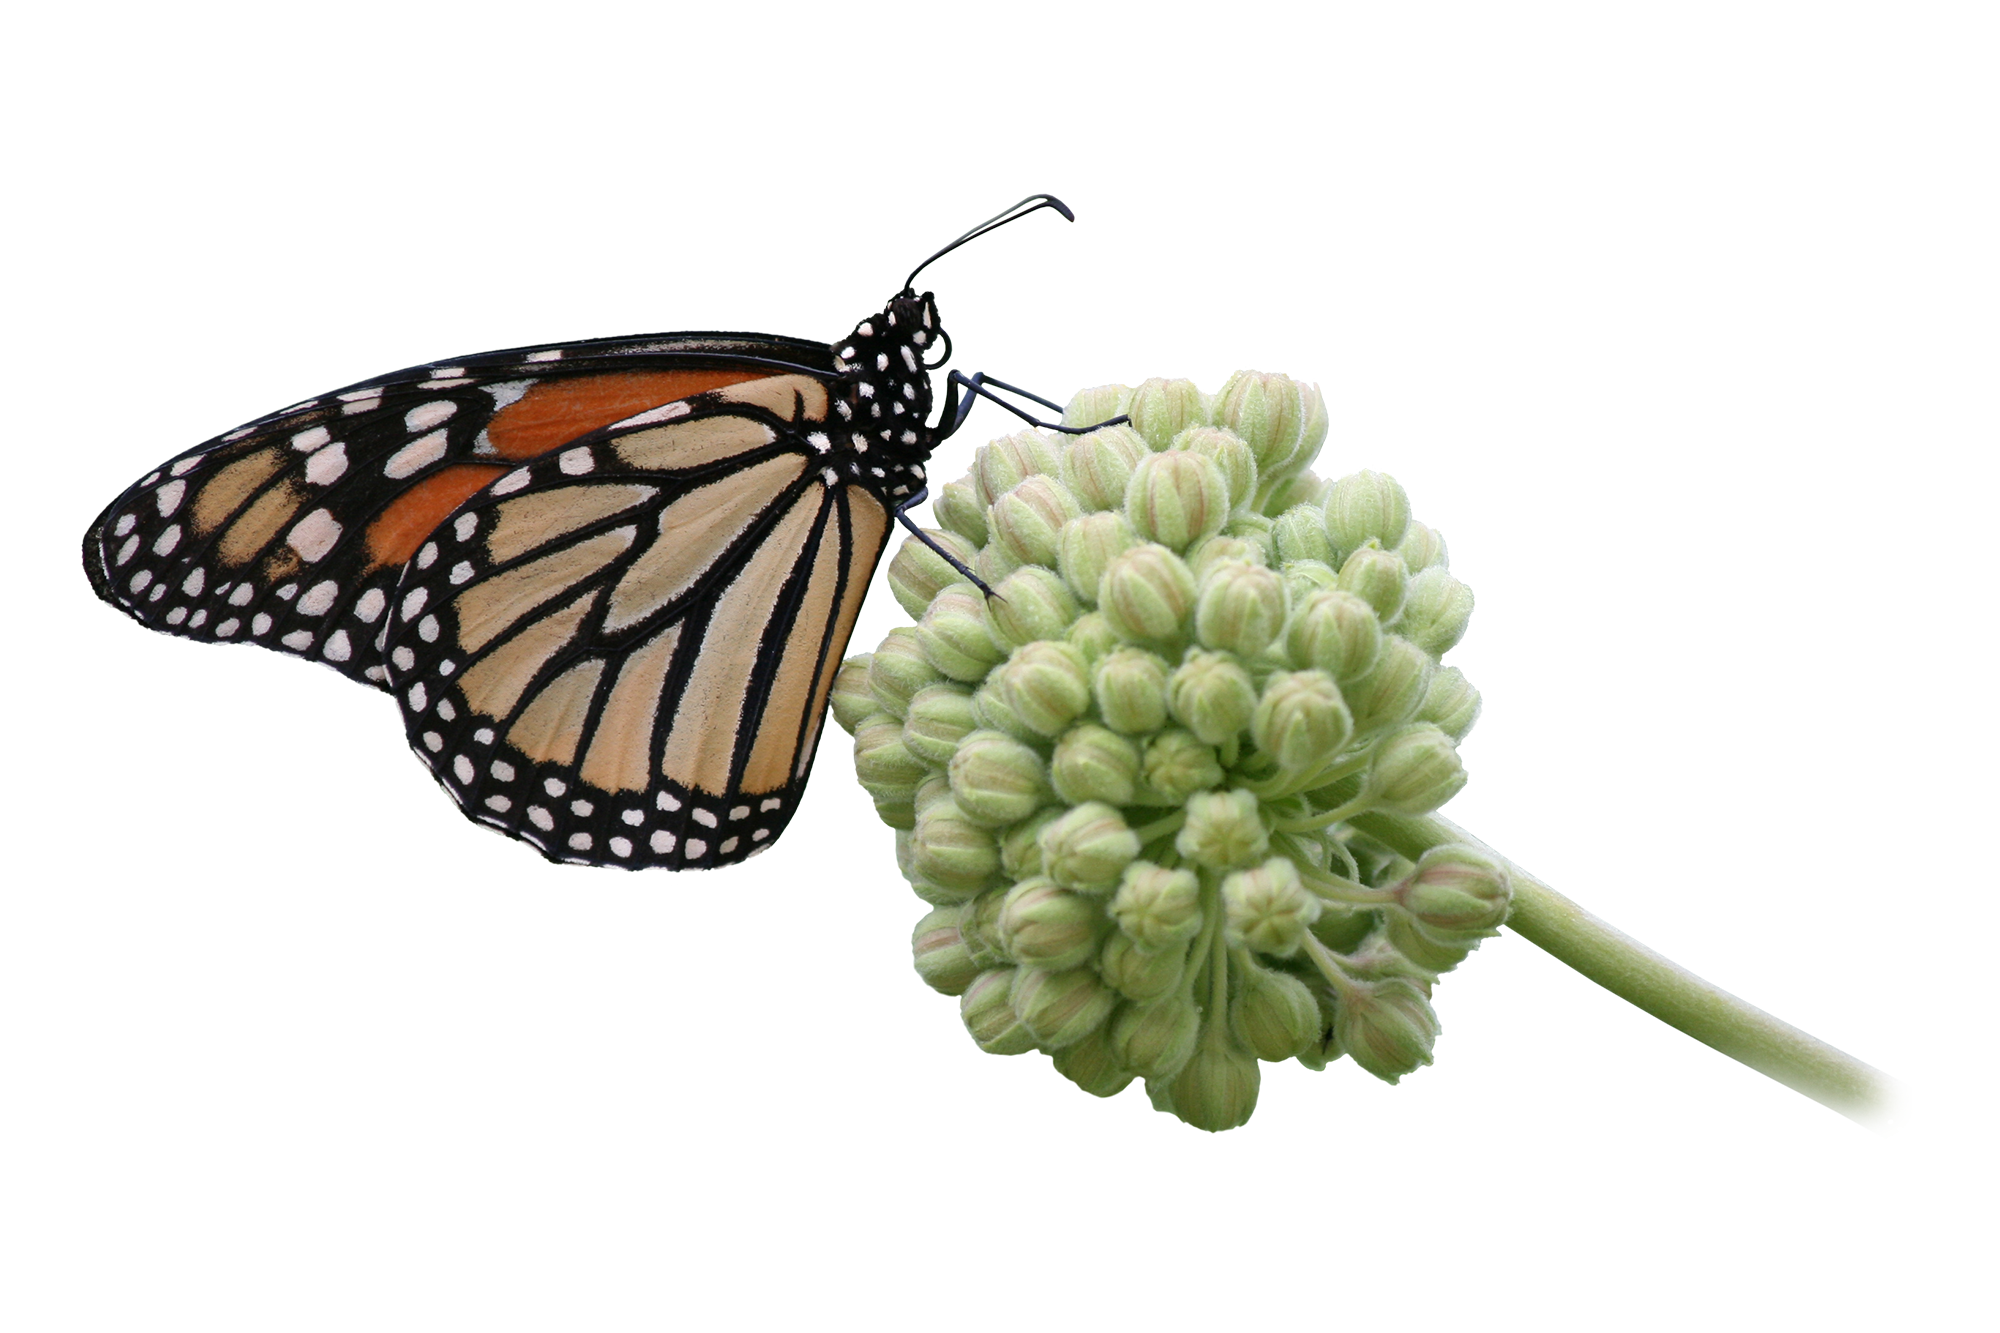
885 407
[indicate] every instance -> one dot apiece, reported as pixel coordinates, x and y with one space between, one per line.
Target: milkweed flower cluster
1124 782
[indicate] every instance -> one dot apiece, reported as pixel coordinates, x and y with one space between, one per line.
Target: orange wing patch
557 411
401 528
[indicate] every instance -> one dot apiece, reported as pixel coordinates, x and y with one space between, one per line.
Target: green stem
1670 993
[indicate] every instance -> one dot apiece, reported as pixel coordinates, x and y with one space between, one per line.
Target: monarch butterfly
608 582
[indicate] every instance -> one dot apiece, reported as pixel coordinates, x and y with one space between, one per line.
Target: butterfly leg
981 385
903 517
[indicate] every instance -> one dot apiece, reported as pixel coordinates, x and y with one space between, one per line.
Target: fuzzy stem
1670 993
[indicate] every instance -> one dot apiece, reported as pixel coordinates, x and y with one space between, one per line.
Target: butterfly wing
292 531
621 653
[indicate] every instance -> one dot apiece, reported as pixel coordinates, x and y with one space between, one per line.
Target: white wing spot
579 842
177 615
370 605
581 809
555 786
541 818
427 629
125 551
228 627
403 657
433 742
446 667
576 462
666 800
503 770
430 414
705 818
241 597
169 496
819 441
141 579
191 585
695 848
760 835
417 697
168 540
462 767
740 812
772 804
314 535
325 467
298 640
500 803
288 591
414 601
512 482
308 440
464 526
415 456
125 522
555 355
620 846
483 736
189 464
319 598
194 621
662 842
633 817
338 648
728 845
427 555
461 572
445 710
508 392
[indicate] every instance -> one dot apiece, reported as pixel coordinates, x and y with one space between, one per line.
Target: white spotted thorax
881 437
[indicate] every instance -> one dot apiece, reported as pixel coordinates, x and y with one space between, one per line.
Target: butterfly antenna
1032 203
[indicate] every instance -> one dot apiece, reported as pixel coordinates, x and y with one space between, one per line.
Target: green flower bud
1305 577
1161 409
953 634
1176 499
994 713
1390 690
1147 594
1137 975
898 809
952 852
1299 533
1414 770
1300 488
1252 527
1156 907
979 927
1175 765
1087 546
1210 553
1025 520
1457 894
1301 720
1274 1016
1422 548
1388 1026
1093 763
943 961
1156 1039
1061 1008
939 717
918 573
853 702
958 510
1334 631
1029 604
1378 578
1404 948
1228 452
1269 412
1224 830
1268 909
990 1017
1217 1089
1436 612
1047 686
1088 847
1366 506
996 779
881 760
1093 405
1021 844
1312 434
994 563
1093 636
1098 466
1005 463
1130 688
1211 695
897 670
1239 609
1044 925
1451 702
934 787
1091 1066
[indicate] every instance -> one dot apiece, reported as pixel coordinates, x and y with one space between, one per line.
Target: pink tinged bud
1268 909
1175 765
1301 720
1390 691
1091 1065
1093 405
1224 830
1364 507
1422 548
953 635
1450 702
1005 463
1086 548
1157 908
994 713
1156 1039
1129 686
1137 975
881 760
1021 844
1299 533
958 510
1273 1015
1094 763
979 927
1098 467
1161 409
1092 636
1457 894
918 573
1388 1027
1211 695
1046 685
1176 499
1240 608
1413 771
996 779
1378 578
1088 847
1333 631
1026 519
1300 488
953 853
1044 925
1147 593
897 670
939 717
989 1015
1228 452
1061 1008
1436 611
934 787
853 702
1029 604
1217 1088
1208 554
943 960
1270 413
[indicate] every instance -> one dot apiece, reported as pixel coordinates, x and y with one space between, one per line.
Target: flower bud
1130 687
1366 506
990 1017
1252 527
1091 1066
1087 546
1301 720
1156 1039
952 852
1093 405
1269 412
1021 844
1157 908
1061 1008
1228 452
934 787
1404 948
1093 763
1268 909
1390 690
1305 577
1388 1026
1273 1015
1217 1089
1175 765
853 702
1047 686
953 634
979 927
943 961
1457 894
994 563
958 510
1413 771
918 573
1299 533
1045 925
1147 594
939 717
1088 847
1092 636
1422 548
897 670
1240 608
881 760
1300 488
1029 604
1210 553
1450 702
1098 466
1334 631
1211 695
993 713
1378 578
1176 499
1137 975
1436 611
1223 830
1161 409
996 779
1005 463
1026 519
